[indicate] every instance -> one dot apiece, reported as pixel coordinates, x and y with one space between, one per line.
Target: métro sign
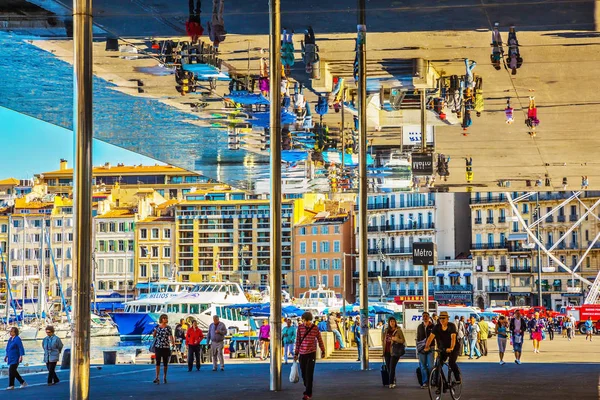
423 253
422 164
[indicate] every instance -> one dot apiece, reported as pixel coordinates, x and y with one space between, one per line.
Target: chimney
63 164
107 165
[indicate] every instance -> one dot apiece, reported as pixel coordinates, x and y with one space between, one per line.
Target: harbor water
34 354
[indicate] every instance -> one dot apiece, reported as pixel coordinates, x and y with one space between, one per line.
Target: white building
396 220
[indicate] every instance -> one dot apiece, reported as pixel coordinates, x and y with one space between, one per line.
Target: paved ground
554 373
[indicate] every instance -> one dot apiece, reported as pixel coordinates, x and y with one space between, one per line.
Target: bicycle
437 387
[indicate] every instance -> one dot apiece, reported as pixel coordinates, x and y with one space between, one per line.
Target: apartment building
168 181
322 239
155 246
225 235
505 258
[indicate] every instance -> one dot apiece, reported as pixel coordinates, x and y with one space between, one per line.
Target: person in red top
193 27
193 337
306 346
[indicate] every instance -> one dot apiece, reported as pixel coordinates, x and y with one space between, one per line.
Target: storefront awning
440 274
453 274
517 236
467 274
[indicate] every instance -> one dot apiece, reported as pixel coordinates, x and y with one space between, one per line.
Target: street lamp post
344 284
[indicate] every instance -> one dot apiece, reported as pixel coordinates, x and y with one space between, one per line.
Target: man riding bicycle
444 334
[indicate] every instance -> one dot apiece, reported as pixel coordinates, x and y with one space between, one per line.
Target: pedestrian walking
473 334
497 50
425 357
307 338
216 26
180 334
193 337
357 338
589 329
469 79
517 329
193 26
584 183
508 111
163 342
514 59
287 51
289 338
573 325
469 169
502 335
551 328
52 346
393 348
264 337
536 327
484 330
532 120
310 54
462 337
215 338
14 356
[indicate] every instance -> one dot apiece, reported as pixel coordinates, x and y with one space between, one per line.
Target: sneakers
24 385
518 362
392 385
157 381
424 386
222 369
10 388
502 363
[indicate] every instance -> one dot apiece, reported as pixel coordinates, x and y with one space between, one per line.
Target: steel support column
539 251
82 198
275 203
363 185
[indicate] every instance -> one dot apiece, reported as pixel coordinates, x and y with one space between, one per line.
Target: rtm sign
423 253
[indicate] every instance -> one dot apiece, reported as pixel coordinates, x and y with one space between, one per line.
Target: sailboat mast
23 272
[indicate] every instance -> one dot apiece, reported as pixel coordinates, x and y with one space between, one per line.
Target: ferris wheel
594 292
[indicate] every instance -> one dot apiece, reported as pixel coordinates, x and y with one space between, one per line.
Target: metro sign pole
423 253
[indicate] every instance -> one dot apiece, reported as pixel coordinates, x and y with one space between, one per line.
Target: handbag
398 349
294 375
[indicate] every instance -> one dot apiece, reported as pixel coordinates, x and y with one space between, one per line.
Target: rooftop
122 170
22 203
117 213
9 182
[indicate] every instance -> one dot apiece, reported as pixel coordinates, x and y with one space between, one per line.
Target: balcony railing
390 250
518 248
453 288
501 219
388 205
393 274
573 218
497 289
489 220
550 219
488 246
478 221
524 288
561 218
483 200
520 270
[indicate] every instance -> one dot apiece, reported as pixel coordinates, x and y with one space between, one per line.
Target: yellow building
155 245
170 182
224 235
505 258
4 242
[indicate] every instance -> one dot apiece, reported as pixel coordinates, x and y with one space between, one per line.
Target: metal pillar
426 288
423 122
363 188
539 251
82 198
275 203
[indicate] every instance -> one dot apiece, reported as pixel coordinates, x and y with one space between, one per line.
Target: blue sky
29 146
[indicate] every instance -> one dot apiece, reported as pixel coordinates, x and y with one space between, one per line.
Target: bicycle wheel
436 379
455 388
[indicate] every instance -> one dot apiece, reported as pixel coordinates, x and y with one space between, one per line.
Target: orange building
321 240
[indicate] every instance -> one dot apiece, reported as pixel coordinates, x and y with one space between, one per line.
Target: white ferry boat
317 300
202 302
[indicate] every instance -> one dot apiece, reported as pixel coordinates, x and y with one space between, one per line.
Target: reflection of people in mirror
216 26
193 27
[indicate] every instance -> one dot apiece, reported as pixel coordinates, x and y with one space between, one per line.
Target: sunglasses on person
443 318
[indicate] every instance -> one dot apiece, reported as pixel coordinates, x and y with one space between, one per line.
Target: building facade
225 235
155 245
322 239
506 258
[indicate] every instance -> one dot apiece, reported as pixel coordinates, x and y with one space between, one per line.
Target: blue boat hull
133 325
